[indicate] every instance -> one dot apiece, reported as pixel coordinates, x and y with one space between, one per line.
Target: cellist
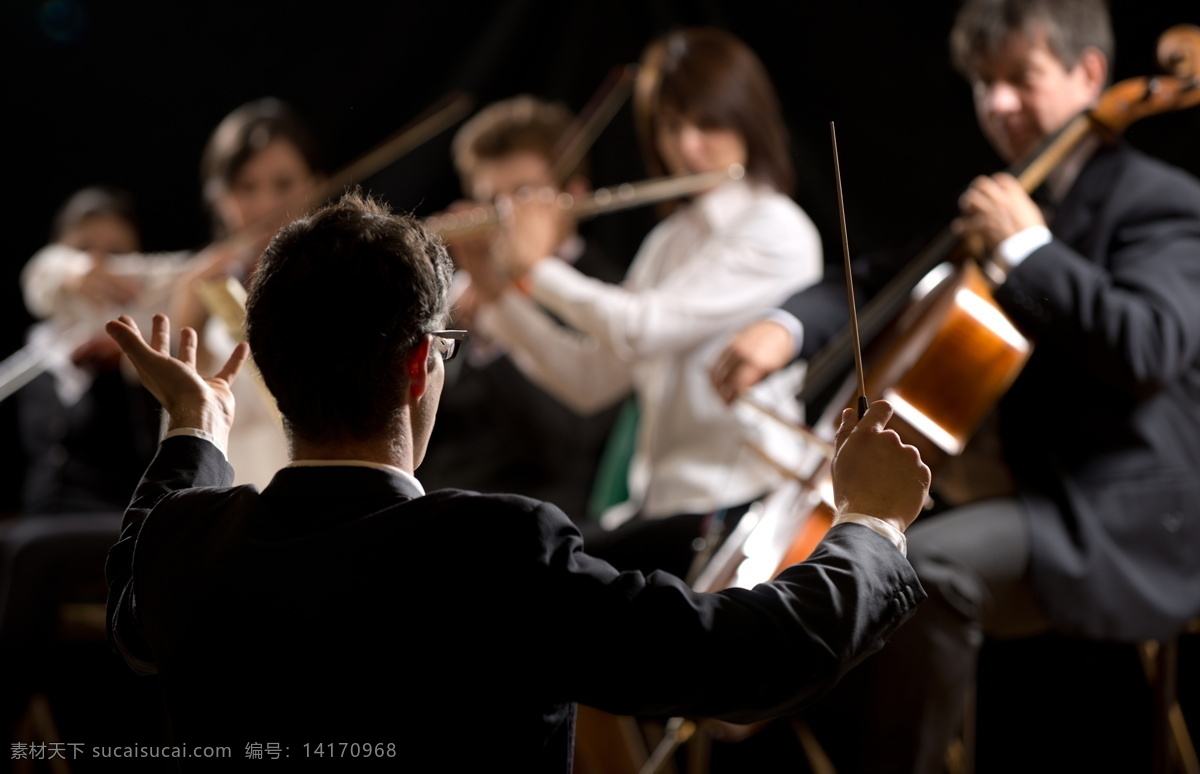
1089 522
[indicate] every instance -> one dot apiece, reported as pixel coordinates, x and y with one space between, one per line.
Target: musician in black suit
342 604
498 431
1080 513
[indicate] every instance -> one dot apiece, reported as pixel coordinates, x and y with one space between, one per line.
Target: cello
908 335
936 323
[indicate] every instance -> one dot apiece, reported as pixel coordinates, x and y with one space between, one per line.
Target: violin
225 298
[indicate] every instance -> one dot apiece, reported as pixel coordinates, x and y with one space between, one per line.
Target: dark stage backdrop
125 93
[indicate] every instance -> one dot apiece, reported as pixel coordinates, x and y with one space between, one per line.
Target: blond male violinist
500 432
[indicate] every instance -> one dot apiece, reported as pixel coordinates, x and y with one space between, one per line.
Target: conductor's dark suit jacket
339 605
1102 428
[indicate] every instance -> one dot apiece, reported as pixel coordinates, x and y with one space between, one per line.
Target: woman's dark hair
712 78
246 131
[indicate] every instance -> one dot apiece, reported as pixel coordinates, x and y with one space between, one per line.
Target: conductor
344 604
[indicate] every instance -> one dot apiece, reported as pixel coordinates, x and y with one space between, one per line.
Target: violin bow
436 119
600 110
225 299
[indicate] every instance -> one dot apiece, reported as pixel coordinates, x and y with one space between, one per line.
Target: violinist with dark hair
703 104
1086 518
257 167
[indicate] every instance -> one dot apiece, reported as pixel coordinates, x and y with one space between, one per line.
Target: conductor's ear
417 366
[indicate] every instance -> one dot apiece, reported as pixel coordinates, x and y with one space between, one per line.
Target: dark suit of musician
499 432
342 605
1100 535
1102 428
1114 497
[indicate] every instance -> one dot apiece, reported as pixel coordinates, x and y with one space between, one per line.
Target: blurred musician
703 102
499 432
1096 527
89 432
87 428
259 160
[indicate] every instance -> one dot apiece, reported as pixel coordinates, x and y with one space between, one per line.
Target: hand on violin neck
102 287
874 472
995 208
474 255
534 226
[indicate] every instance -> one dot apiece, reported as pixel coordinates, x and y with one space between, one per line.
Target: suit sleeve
181 463
1129 319
822 312
654 646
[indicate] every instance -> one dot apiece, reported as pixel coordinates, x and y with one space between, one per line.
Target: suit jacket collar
339 481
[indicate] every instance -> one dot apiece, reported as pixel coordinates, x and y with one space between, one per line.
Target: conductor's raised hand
874 472
190 399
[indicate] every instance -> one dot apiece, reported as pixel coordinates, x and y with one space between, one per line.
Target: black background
126 93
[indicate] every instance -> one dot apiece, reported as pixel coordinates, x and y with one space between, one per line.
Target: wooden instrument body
945 363
781 529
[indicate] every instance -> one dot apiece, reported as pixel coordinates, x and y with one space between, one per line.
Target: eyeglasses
448 343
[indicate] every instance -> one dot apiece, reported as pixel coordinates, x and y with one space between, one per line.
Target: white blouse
701 275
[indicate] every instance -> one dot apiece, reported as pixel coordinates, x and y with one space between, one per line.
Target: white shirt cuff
789 323
196 432
879 525
1020 245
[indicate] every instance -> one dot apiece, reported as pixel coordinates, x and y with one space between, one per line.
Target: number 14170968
350 750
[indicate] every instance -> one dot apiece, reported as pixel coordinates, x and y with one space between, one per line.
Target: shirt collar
409 477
